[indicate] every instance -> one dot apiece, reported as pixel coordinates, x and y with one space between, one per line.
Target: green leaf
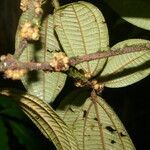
94 124
45 85
3 136
25 136
11 109
126 69
45 118
4 103
81 29
24 132
133 11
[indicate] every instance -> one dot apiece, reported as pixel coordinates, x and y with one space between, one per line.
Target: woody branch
9 61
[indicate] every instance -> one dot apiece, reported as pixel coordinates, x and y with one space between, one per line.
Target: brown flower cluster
60 62
15 74
24 5
29 31
38 9
88 75
97 86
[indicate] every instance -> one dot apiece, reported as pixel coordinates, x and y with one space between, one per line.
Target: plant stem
11 62
109 53
22 45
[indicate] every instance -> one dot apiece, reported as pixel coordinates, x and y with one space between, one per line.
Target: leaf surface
94 124
24 135
133 11
126 69
45 85
3 136
81 29
45 118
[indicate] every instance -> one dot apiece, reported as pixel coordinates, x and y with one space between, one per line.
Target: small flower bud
2 58
29 32
24 5
38 10
97 86
36 4
15 74
8 73
35 34
93 82
79 84
60 61
88 75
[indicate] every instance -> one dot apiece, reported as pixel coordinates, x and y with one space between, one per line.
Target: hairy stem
11 62
109 53
19 50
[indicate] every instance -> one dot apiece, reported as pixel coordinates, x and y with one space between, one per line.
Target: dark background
130 103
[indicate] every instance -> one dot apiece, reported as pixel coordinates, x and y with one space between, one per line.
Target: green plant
72 41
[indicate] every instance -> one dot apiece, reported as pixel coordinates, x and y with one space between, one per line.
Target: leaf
10 108
3 136
81 29
126 69
45 85
45 118
94 124
25 136
133 11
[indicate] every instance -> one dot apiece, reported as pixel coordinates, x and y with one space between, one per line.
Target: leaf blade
75 24
95 126
135 12
53 126
39 83
126 69
3 136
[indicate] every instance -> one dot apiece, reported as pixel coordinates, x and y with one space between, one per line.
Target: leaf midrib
83 40
127 63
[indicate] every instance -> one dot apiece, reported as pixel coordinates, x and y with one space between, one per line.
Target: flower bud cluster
88 75
15 74
79 83
29 32
60 61
38 9
96 86
2 58
24 5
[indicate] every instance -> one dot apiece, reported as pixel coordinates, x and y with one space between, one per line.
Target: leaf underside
126 69
94 124
133 11
45 85
81 29
44 117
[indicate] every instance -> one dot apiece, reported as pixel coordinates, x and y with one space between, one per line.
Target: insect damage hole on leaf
113 141
109 128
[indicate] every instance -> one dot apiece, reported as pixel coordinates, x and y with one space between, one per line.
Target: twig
11 63
109 53
36 10
19 50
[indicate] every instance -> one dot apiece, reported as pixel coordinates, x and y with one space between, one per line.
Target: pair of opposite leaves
81 30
